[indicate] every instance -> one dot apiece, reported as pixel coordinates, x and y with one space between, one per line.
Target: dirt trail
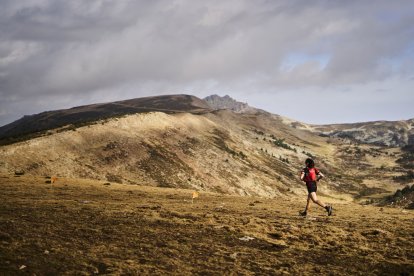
90 227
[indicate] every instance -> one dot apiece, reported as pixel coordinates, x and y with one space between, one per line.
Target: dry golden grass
85 227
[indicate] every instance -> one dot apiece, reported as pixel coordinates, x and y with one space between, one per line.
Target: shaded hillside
407 158
403 198
35 125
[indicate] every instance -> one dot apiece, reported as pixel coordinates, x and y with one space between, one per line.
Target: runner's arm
320 176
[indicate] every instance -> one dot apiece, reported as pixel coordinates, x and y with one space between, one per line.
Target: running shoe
329 209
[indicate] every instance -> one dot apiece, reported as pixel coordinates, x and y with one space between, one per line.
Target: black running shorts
311 186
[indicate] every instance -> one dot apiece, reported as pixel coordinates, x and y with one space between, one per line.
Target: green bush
281 143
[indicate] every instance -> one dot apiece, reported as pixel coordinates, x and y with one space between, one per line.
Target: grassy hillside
220 151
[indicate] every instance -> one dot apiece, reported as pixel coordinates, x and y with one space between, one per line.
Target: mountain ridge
387 133
81 115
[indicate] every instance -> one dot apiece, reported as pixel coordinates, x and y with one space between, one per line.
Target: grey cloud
79 51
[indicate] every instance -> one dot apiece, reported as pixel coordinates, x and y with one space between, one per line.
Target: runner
311 175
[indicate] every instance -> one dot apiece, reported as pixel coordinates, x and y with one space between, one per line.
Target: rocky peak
227 102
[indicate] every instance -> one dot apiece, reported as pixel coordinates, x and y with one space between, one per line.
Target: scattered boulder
19 172
114 178
111 146
246 238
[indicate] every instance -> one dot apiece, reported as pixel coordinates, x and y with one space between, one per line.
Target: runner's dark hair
309 163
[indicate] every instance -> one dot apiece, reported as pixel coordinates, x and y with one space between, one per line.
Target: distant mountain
81 115
217 102
387 133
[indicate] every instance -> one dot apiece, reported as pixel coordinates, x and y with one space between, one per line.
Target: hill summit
31 126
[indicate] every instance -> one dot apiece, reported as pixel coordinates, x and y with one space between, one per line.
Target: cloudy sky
314 61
